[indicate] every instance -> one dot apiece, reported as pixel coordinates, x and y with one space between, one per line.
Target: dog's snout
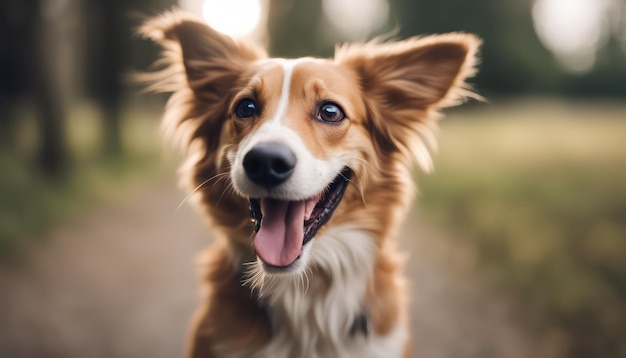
269 164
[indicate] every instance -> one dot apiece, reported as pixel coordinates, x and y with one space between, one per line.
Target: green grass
538 190
32 202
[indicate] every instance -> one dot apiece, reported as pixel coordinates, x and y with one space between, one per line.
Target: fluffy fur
344 296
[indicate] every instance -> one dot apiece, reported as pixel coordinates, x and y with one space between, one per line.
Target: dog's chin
296 268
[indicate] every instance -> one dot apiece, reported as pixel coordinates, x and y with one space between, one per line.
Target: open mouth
283 227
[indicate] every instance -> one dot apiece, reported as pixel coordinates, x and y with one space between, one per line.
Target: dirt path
121 283
453 314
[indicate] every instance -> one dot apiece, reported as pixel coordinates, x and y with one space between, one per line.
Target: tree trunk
48 90
112 36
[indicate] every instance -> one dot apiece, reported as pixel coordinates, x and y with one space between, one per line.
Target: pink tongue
279 240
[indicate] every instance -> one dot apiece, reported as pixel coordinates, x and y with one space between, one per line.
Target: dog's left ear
404 82
212 61
200 67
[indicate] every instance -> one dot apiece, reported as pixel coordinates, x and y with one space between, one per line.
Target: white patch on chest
312 316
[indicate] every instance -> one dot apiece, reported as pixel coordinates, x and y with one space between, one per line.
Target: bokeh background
518 239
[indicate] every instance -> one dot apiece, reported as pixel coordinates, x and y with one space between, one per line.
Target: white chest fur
312 315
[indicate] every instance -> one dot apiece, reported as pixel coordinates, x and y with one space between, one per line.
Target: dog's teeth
310 205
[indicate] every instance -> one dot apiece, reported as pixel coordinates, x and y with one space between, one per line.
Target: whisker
229 188
190 194
301 282
254 276
366 167
217 178
308 281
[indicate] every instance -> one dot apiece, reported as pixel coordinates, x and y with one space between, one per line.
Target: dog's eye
246 108
330 112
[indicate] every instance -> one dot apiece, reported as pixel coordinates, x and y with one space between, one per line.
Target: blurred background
517 241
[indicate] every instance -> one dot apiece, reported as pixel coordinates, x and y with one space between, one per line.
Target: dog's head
300 140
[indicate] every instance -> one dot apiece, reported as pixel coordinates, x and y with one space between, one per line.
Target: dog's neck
328 301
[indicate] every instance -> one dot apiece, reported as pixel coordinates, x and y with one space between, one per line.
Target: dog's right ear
212 61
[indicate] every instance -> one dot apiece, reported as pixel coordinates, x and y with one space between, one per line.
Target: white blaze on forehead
288 67
283 102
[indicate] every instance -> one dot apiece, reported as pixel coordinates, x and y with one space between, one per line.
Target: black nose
269 164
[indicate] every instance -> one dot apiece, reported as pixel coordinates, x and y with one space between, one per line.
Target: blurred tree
140 54
31 72
608 77
53 154
108 37
12 53
294 29
513 59
111 51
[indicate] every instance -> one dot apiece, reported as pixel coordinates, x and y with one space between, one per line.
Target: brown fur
230 303
391 92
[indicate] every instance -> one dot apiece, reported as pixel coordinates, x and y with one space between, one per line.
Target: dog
303 168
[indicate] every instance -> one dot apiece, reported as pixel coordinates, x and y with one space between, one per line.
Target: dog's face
294 136
299 126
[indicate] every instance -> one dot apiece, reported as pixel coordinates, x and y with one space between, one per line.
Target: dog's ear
200 67
404 83
212 61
